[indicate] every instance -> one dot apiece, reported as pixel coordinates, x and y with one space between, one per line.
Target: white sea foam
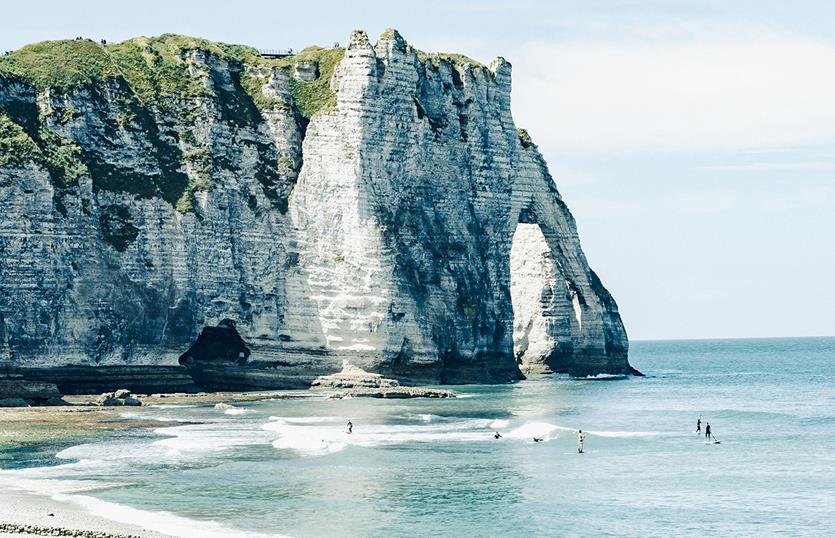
170 406
542 430
20 479
162 522
211 437
321 438
603 377
499 423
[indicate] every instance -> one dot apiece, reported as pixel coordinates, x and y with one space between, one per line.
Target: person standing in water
580 438
699 425
707 431
350 426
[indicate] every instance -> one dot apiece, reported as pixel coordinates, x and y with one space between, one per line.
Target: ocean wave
162 522
229 409
210 437
44 482
321 438
540 430
602 377
181 444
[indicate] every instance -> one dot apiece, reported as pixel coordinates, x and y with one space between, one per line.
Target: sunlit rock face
408 227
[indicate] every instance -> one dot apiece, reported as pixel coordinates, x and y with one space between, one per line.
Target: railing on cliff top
275 53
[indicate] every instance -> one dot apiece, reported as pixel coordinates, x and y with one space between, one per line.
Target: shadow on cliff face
221 344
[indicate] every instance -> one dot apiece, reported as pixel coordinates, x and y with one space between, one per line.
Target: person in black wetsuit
497 435
707 431
699 425
350 427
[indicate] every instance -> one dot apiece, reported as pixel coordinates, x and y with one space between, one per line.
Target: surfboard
713 442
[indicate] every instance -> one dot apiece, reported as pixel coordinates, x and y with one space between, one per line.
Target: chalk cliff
372 204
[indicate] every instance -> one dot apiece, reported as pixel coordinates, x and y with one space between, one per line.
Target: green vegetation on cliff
151 88
525 138
59 65
159 71
316 95
437 57
16 147
61 157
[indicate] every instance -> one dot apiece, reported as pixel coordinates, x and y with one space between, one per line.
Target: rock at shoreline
21 393
121 397
36 530
353 377
395 393
13 402
362 384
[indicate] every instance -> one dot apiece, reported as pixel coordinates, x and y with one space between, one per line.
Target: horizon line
727 338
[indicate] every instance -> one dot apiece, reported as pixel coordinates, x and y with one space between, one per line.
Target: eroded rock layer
355 204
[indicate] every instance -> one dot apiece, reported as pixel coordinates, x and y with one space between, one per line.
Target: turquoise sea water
432 468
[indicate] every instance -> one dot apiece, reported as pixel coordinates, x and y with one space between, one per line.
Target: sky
694 141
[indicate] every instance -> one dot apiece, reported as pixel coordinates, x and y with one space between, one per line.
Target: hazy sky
694 141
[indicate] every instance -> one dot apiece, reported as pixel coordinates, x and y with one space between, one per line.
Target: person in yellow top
580 438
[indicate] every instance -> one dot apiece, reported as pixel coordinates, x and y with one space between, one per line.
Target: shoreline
33 436
24 513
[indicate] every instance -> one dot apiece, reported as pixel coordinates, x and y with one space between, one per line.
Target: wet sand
28 514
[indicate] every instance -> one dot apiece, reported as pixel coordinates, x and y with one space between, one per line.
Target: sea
432 467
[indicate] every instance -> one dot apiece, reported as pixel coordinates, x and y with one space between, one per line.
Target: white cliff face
538 302
379 232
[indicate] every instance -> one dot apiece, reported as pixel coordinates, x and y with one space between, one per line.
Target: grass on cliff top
59 64
316 95
152 66
437 57
157 66
157 70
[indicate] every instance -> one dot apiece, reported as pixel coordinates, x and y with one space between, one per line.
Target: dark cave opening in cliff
220 344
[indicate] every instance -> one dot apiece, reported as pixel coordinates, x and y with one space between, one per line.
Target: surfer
699 425
707 431
537 439
497 435
350 426
580 438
